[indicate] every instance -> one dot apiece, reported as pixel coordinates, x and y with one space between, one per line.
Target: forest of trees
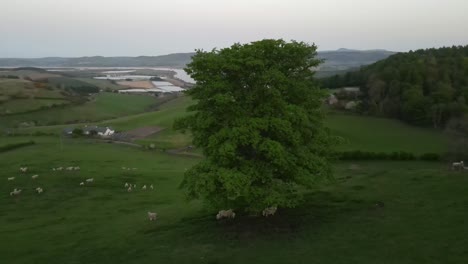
424 87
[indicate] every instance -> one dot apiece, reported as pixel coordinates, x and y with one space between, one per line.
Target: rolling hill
339 60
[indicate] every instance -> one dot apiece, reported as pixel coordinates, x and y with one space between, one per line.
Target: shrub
369 155
16 145
430 157
77 132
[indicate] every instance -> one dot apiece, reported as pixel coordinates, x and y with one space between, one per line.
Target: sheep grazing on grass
225 214
53 169
269 211
152 216
15 192
458 165
126 185
151 186
81 183
134 186
129 189
144 187
34 176
70 168
60 168
90 180
39 190
11 178
23 169
77 168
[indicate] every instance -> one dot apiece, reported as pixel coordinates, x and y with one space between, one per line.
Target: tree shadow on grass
318 209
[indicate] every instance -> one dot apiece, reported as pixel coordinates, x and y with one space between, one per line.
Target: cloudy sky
38 28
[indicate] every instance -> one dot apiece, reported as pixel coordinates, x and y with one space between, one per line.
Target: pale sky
71 28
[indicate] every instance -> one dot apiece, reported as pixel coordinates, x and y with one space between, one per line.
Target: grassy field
379 212
26 89
359 132
102 84
102 106
25 105
379 134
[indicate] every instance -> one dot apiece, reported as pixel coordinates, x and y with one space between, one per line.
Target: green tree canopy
424 87
258 119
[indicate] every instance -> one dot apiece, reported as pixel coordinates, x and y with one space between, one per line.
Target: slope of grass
359 132
384 135
102 106
389 212
26 105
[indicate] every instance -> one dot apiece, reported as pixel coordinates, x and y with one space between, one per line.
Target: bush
368 155
430 157
77 132
16 145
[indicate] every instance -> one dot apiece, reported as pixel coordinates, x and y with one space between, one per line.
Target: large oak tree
257 116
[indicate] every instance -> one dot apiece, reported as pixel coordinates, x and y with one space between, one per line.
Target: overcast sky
39 28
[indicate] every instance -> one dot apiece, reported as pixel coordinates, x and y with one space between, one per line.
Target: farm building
87 130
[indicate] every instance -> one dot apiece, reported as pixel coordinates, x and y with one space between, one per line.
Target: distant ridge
337 60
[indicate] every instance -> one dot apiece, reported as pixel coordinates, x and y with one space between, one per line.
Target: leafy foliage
257 118
457 132
424 87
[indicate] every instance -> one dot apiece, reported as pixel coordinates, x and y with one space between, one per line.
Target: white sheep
129 189
77 168
15 192
53 169
269 211
34 176
90 180
152 216
458 165
23 169
69 168
39 190
134 186
151 186
11 178
144 187
60 168
81 183
225 214
126 185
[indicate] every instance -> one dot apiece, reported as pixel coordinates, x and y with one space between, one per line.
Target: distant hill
339 60
170 60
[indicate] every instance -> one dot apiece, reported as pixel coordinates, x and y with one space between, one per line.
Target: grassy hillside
389 212
384 135
18 96
102 106
359 132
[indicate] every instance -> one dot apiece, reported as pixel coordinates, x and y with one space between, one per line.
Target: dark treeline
423 87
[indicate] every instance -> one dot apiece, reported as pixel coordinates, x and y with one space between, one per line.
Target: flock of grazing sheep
152 216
